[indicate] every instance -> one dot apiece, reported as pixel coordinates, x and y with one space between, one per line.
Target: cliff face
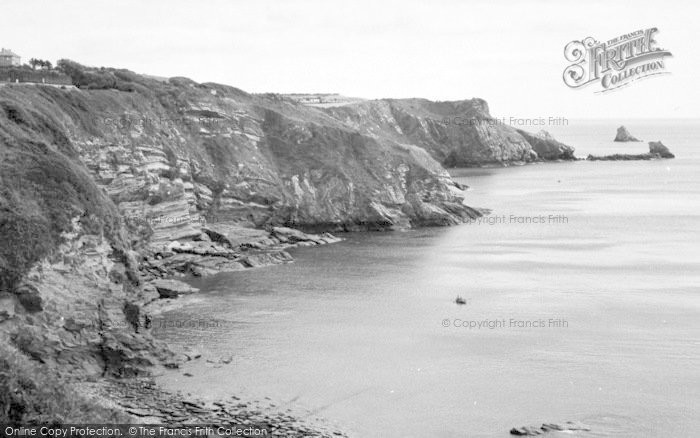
547 147
457 134
192 151
98 183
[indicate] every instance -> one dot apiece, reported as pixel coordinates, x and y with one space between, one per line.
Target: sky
510 53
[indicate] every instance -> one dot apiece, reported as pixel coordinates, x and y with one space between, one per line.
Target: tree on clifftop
40 63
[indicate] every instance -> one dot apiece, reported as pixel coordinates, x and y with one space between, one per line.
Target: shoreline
147 402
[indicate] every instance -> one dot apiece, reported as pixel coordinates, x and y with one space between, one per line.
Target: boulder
656 147
624 135
7 306
173 288
28 296
192 354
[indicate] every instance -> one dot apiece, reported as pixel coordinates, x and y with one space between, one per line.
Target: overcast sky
507 52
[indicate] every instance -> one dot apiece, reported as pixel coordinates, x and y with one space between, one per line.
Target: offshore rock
656 147
622 157
656 150
624 135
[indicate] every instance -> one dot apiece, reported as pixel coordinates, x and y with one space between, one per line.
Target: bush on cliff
100 78
31 394
41 190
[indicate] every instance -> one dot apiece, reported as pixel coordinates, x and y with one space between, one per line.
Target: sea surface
582 293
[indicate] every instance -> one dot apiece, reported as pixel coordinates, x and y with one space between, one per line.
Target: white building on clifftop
9 59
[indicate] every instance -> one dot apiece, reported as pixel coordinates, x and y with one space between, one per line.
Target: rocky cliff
457 134
110 185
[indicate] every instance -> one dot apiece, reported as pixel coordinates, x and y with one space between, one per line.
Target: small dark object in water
460 300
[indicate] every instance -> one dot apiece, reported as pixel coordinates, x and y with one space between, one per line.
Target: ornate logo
615 63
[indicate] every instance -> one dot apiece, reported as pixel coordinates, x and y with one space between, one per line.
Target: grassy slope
41 189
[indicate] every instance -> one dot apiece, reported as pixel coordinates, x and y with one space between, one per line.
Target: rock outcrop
457 134
227 248
169 288
656 150
622 157
624 135
77 310
656 147
547 147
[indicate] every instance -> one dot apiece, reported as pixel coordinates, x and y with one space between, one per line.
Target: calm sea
582 295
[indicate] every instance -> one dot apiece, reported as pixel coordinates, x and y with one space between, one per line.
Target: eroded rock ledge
657 150
227 248
220 248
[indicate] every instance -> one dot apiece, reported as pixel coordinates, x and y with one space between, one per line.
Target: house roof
7 52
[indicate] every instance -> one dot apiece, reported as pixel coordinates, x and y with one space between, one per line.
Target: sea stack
656 147
624 135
